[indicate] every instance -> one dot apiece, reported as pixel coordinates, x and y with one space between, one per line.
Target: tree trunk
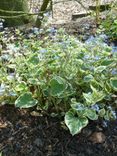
41 12
9 11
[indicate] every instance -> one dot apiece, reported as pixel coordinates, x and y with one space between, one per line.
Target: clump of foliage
60 76
109 25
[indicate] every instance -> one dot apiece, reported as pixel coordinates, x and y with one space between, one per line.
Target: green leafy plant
62 75
109 25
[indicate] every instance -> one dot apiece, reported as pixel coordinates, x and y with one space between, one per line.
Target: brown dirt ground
22 134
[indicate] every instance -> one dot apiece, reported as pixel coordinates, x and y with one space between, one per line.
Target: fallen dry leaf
97 137
3 125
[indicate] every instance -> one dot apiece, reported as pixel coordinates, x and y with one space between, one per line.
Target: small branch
21 15
12 12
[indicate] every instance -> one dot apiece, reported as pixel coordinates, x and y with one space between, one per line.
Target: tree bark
41 13
10 7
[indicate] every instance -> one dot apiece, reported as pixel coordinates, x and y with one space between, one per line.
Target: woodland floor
63 11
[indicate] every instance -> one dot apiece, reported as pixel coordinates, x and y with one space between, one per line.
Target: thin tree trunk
41 13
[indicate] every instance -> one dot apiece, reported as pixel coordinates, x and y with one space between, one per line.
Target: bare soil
22 134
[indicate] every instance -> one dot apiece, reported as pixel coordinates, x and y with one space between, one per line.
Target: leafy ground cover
53 74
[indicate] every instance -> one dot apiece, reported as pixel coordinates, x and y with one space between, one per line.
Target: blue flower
43 50
95 107
90 39
114 49
110 108
2 89
36 30
52 30
114 114
86 57
11 93
96 57
105 123
103 36
114 72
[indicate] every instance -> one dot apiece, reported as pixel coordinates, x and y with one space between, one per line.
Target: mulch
22 134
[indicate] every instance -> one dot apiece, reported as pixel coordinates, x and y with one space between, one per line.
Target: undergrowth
59 75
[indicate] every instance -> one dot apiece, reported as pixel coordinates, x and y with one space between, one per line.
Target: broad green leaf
95 96
88 78
107 87
91 114
106 116
34 59
21 87
78 106
99 69
12 66
75 123
79 61
112 115
57 86
25 101
102 112
113 82
33 81
107 62
88 97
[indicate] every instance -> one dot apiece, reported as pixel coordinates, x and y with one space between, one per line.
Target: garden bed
22 134
32 132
